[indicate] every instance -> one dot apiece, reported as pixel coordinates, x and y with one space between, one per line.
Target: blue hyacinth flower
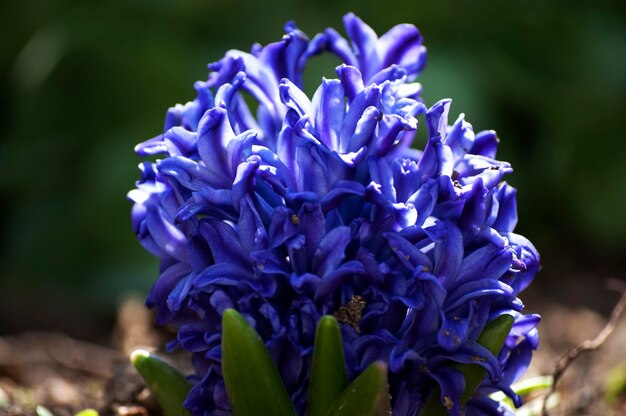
309 206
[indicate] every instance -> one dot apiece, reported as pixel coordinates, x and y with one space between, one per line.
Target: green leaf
615 384
492 338
328 369
87 412
367 395
170 388
43 411
253 384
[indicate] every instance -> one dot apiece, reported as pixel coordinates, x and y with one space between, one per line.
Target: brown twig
572 354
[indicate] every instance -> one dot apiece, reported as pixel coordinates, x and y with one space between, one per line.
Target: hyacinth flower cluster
292 208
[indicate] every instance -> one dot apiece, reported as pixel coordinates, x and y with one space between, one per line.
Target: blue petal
252 232
238 113
436 160
406 178
402 45
269 262
392 73
474 214
351 79
448 250
305 283
401 354
282 58
286 151
261 83
408 255
478 288
437 118
219 274
473 353
524 324
224 242
424 200
332 280
272 315
362 134
312 175
180 142
363 40
220 301
517 362
526 254
453 332
474 265
187 172
244 181
169 238
192 337
214 134
328 112
167 281
336 44
340 191
390 127
188 115
312 225
209 201
294 98
376 346
489 170
179 294
331 251
499 265
506 218
283 226
288 360
372 268
485 144
154 146
407 107
382 180
452 383
460 137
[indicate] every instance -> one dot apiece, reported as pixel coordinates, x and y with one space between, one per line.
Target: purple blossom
319 205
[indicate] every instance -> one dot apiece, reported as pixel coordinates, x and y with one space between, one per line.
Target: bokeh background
81 82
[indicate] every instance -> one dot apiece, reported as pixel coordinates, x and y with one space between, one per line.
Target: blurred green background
81 82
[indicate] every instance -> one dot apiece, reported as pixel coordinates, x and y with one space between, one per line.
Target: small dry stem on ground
570 356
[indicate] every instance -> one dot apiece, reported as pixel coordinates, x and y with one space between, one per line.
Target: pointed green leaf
43 411
328 369
170 388
367 395
492 338
87 412
253 384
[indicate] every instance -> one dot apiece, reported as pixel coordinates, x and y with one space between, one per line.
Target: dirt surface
67 375
583 388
